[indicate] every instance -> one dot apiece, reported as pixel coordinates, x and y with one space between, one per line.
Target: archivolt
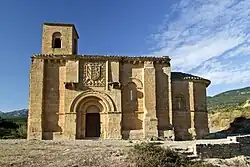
90 96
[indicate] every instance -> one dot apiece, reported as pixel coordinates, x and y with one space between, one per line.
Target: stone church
76 96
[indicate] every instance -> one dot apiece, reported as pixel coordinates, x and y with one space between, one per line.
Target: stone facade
76 96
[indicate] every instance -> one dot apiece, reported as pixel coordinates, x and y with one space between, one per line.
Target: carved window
131 94
56 40
180 103
132 90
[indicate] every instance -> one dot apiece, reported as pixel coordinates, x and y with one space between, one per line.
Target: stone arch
89 103
81 107
132 97
57 40
89 97
137 82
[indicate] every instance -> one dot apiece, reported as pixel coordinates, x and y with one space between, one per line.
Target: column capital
148 64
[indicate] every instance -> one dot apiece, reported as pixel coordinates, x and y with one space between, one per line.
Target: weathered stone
112 97
235 146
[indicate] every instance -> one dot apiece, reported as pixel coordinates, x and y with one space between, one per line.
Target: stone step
193 157
187 152
180 149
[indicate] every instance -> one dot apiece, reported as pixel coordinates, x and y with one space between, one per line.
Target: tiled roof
185 76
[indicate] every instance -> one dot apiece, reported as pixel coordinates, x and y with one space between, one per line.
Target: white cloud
208 38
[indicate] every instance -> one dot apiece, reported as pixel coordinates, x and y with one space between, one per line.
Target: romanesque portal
76 96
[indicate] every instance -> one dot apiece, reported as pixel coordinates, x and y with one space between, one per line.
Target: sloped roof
184 76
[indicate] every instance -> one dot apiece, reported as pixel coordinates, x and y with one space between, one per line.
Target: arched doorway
93 122
88 120
93 108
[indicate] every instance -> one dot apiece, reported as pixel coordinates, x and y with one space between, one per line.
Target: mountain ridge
15 113
230 98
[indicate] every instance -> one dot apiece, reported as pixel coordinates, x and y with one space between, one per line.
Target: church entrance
92 122
92 125
88 123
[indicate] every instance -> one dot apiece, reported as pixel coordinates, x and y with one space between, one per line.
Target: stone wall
163 97
150 121
236 146
132 97
200 110
181 110
51 98
143 98
68 38
35 99
110 121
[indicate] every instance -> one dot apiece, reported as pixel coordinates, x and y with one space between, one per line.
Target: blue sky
207 38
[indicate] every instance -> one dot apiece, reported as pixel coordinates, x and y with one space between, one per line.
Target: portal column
150 121
70 126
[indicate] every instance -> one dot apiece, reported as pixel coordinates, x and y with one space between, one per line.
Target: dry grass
21 153
221 120
107 153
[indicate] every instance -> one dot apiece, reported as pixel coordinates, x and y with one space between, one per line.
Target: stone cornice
163 59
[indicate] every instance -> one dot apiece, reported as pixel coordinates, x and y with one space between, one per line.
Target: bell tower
58 38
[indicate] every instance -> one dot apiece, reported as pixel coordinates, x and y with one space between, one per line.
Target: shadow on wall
50 116
131 123
240 126
162 100
132 113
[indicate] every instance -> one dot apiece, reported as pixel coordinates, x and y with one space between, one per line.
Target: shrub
150 155
9 129
22 131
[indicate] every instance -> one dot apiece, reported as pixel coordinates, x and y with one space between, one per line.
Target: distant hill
15 113
231 98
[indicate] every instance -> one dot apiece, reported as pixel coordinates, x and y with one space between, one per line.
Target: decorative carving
115 85
93 71
102 98
94 74
71 85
